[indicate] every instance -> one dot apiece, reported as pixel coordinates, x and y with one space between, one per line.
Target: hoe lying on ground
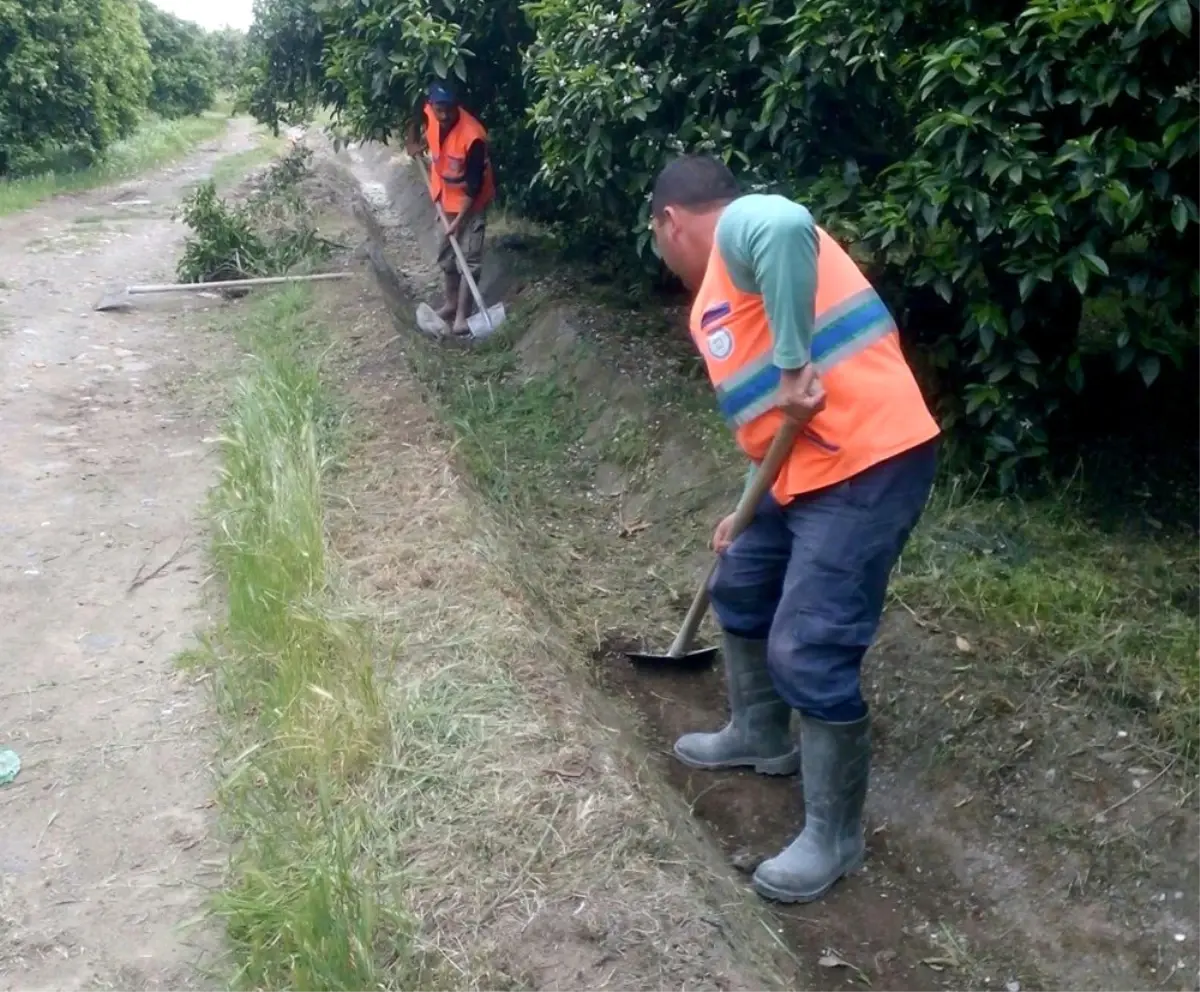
122 299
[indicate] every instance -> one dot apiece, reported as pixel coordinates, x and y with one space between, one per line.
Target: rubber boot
448 310
835 768
758 734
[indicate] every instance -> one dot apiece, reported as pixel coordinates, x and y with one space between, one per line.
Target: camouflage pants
470 240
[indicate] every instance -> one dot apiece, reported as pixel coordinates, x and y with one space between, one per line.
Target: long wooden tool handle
181 287
764 478
463 268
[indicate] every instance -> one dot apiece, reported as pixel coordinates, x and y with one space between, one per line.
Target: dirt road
104 835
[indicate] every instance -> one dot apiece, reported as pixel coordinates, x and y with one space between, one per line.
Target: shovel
123 298
486 319
678 654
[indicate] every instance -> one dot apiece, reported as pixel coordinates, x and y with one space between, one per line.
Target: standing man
789 327
462 181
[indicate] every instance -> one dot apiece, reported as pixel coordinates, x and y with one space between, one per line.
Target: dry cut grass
536 849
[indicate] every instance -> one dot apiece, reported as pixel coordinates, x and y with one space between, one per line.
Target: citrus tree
1018 176
183 61
74 78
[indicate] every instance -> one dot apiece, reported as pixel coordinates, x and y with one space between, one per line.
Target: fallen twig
140 580
1133 795
49 823
487 913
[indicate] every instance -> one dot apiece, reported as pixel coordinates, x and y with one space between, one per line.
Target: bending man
788 326
462 181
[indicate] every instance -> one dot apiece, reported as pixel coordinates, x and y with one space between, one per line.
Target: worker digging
461 184
793 333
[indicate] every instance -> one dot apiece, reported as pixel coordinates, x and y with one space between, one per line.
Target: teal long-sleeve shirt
769 246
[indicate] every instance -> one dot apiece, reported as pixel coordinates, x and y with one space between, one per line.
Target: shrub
268 234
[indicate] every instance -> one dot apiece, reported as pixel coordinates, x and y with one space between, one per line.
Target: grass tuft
1114 611
155 143
304 721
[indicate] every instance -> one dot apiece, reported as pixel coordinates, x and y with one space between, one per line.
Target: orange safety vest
873 406
448 178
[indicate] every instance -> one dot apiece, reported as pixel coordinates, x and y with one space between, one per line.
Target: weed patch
155 143
268 234
1114 611
304 725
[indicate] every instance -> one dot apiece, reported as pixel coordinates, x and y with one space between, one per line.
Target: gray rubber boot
836 766
758 734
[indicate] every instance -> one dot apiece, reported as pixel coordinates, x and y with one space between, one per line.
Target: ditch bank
1016 839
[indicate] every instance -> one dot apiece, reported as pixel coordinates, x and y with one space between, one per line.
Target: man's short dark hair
695 182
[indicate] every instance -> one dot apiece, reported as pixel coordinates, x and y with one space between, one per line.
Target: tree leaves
1009 176
74 78
183 62
1180 12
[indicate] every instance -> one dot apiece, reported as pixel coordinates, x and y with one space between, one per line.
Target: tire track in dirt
105 847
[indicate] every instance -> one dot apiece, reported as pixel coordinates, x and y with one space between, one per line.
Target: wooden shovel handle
764 478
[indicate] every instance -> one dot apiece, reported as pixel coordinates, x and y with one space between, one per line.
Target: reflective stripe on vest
448 178
874 408
858 321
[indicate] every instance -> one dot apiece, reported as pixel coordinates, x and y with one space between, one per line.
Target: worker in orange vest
462 181
789 327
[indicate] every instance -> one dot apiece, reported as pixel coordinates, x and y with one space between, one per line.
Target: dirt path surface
104 846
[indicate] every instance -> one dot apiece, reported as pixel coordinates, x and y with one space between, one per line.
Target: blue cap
442 93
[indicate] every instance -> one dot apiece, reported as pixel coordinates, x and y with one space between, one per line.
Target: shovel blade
117 300
690 661
478 323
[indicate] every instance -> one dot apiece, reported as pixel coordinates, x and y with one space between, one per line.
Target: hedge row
1020 176
77 75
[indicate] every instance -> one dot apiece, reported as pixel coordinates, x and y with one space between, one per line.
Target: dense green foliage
281 75
78 75
229 51
266 235
74 77
184 63
1020 177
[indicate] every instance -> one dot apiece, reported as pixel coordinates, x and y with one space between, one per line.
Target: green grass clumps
1114 610
301 712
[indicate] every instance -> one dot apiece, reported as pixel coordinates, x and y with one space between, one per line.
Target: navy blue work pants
811 577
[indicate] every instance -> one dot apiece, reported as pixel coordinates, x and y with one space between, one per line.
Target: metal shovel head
477 323
430 323
689 661
117 299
